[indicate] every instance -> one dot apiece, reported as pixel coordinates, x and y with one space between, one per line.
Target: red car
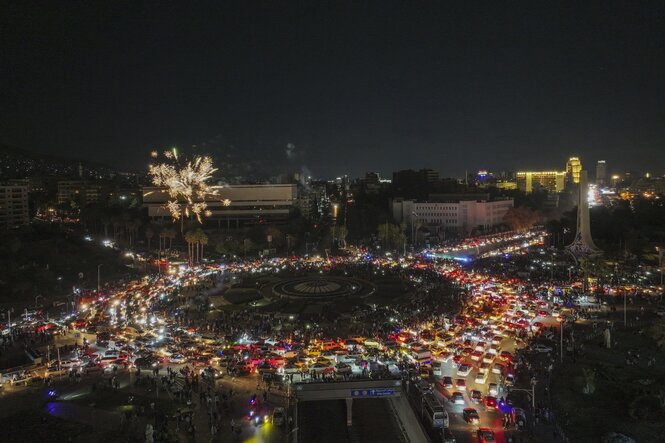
486 435
491 403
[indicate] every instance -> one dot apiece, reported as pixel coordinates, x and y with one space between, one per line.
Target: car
476 396
498 368
447 382
111 353
65 364
447 436
457 398
506 356
486 435
471 416
343 368
481 377
460 384
493 389
476 355
491 403
177 358
146 362
278 416
445 357
540 348
463 370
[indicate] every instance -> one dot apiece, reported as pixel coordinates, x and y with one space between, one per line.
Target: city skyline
389 86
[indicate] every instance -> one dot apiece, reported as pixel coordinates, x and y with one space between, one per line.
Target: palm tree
190 238
171 234
106 221
202 240
116 226
162 237
149 234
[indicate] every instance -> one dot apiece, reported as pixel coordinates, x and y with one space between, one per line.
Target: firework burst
186 184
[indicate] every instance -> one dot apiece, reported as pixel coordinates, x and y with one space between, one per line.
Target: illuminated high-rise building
601 172
552 181
573 169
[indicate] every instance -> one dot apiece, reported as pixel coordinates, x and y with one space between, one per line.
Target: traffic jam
458 368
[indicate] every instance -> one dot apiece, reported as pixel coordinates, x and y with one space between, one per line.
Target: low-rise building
234 203
458 211
79 191
14 211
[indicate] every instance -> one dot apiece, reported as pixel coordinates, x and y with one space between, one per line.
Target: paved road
465 432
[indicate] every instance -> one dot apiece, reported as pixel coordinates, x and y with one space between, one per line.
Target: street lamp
661 253
99 267
413 225
561 350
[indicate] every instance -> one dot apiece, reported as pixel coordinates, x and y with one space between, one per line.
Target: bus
433 412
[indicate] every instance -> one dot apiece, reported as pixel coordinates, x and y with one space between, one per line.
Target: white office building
461 214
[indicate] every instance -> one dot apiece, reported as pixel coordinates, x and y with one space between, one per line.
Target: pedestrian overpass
344 390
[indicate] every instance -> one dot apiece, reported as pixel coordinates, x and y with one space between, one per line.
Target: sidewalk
408 420
97 418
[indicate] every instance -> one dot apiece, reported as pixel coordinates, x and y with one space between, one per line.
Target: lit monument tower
583 244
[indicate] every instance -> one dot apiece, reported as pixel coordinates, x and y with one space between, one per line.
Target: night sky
375 86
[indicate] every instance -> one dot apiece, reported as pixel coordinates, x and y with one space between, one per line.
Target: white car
177 358
464 370
481 378
541 348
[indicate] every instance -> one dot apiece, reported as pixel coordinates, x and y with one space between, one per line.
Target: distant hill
18 163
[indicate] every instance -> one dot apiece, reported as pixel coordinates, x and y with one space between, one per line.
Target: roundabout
322 288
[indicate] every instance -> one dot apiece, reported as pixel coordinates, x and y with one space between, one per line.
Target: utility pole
625 317
99 267
561 350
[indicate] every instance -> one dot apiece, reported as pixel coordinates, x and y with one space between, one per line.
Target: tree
593 267
202 238
106 221
171 234
391 236
162 239
521 218
247 245
149 234
229 247
277 237
657 332
190 238
340 233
